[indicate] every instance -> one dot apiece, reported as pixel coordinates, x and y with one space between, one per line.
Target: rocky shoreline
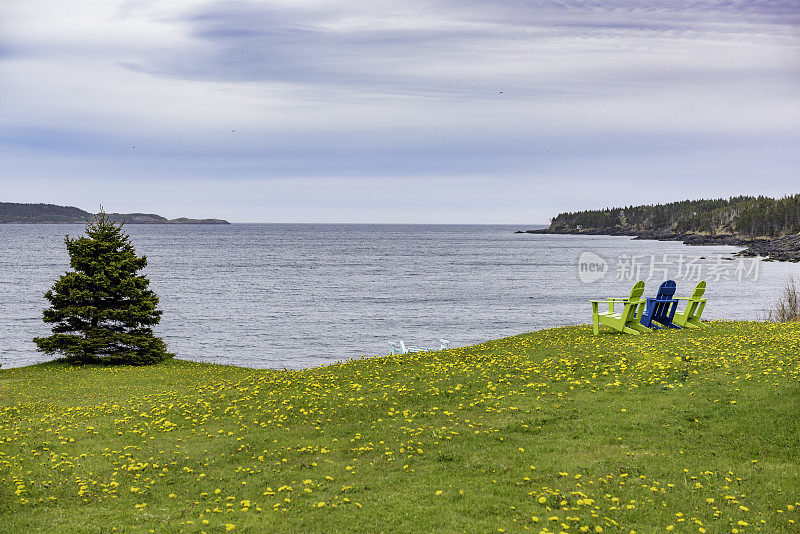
786 248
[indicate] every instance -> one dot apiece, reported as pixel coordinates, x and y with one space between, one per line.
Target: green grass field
556 430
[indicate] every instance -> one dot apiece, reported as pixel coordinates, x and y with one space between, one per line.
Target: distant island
15 213
763 226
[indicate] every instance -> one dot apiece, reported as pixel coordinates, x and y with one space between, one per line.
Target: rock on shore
786 248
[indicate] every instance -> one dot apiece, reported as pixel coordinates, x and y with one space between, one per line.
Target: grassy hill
556 430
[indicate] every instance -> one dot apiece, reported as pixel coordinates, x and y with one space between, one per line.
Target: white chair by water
443 345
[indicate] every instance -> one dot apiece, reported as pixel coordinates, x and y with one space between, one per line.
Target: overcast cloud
396 111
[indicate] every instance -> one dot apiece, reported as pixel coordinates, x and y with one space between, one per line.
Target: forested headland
18 213
766 226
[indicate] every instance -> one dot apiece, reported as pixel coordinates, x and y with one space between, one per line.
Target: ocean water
295 295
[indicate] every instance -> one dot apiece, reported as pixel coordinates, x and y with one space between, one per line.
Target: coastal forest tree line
744 216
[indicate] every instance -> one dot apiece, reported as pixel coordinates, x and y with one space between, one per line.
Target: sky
384 111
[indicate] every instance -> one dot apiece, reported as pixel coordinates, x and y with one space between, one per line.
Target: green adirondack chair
690 317
627 320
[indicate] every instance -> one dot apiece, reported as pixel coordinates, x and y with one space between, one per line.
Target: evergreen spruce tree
102 310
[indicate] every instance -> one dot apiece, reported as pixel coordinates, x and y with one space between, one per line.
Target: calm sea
294 295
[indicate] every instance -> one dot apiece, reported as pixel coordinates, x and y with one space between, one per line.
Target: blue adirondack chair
660 309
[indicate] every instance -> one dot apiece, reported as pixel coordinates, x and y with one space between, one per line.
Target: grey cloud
254 43
247 41
627 13
360 154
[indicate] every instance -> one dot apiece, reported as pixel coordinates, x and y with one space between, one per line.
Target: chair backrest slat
699 290
666 290
637 291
